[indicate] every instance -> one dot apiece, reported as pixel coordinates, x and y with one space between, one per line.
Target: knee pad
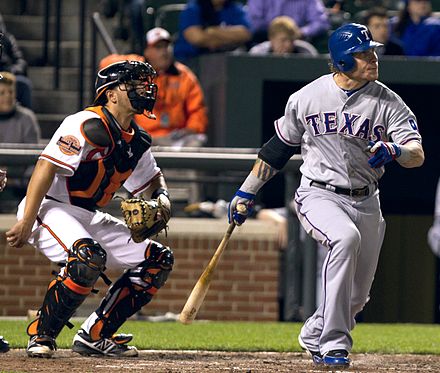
153 271
66 293
86 261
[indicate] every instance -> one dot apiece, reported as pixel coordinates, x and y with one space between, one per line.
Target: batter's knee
86 261
347 243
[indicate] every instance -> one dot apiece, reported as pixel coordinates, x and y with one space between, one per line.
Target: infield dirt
204 361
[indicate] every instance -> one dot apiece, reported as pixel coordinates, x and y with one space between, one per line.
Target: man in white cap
181 115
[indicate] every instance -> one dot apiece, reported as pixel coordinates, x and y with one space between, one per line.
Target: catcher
91 155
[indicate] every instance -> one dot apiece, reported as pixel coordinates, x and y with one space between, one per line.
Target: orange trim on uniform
76 288
94 186
53 234
88 140
57 161
32 328
95 330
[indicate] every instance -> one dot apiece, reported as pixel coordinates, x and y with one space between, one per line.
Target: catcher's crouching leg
86 261
134 289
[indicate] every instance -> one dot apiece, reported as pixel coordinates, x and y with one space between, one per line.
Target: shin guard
66 293
134 289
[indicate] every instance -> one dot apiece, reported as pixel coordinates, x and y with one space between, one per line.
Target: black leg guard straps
134 289
66 293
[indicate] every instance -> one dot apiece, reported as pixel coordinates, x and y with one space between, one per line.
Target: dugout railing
300 255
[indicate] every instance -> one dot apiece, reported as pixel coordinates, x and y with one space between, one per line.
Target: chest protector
96 180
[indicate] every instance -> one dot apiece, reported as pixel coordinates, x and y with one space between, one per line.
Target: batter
347 126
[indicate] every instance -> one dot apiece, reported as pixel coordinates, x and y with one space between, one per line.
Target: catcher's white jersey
334 129
68 148
59 223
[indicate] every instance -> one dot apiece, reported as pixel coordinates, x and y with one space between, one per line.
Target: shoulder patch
95 133
69 145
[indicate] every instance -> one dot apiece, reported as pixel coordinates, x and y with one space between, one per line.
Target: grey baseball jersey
333 128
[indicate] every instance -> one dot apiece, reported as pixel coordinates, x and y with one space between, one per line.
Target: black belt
52 199
360 192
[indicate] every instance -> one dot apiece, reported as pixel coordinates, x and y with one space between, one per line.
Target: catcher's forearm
156 184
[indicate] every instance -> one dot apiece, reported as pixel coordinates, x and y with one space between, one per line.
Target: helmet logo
366 34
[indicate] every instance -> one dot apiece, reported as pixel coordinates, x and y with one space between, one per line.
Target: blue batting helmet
345 41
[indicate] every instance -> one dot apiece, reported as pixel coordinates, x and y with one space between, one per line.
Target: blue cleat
315 355
336 359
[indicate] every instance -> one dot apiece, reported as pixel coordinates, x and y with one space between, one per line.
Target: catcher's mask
135 77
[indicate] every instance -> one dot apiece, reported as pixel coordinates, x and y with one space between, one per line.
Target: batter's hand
384 152
19 234
240 207
3 180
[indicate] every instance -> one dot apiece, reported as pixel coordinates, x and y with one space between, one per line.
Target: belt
52 199
360 192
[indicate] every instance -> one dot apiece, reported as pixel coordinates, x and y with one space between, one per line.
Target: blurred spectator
207 26
17 125
309 15
377 20
284 39
434 231
417 29
181 115
12 60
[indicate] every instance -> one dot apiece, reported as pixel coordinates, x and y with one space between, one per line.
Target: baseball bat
200 289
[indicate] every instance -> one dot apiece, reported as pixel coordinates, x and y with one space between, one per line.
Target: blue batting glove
384 152
240 207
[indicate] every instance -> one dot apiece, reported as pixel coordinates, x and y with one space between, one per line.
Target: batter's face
367 66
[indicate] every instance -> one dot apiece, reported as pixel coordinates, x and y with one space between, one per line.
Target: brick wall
244 286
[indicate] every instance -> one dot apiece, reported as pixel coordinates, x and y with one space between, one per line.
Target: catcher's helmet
135 77
345 41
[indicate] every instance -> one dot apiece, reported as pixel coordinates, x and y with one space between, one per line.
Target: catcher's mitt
146 218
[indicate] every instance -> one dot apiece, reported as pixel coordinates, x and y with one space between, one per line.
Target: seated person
180 111
284 39
376 19
17 125
309 15
208 26
417 29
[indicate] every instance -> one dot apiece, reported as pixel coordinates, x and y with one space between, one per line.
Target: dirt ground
204 361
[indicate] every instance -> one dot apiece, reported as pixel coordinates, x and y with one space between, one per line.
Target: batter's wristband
160 191
242 194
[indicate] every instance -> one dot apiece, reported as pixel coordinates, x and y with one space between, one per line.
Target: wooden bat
200 289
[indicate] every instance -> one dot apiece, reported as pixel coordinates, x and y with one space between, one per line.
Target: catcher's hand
146 218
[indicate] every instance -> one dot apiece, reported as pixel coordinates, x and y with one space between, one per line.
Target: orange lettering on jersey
69 145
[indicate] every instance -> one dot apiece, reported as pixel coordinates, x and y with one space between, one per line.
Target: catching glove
145 218
240 207
384 152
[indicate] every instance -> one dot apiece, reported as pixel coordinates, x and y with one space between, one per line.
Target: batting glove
384 152
240 207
